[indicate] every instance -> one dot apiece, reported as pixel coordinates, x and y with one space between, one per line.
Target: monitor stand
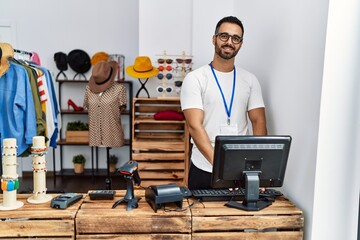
251 201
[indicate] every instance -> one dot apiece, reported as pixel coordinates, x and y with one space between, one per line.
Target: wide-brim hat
79 61
6 51
99 57
142 68
103 75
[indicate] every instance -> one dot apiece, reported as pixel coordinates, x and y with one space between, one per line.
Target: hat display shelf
38 152
172 71
9 179
61 154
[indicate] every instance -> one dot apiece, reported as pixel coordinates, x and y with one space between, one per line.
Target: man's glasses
224 37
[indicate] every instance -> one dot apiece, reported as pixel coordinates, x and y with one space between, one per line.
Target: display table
281 220
96 219
38 220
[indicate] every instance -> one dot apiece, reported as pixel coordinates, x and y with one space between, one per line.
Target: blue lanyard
228 110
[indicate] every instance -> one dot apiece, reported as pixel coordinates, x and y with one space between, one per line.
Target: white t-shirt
200 90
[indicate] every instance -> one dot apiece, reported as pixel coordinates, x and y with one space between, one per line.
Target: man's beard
223 54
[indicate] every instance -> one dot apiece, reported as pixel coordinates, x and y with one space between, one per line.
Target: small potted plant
77 131
113 160
79 163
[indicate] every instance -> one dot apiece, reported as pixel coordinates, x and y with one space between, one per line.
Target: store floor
78 184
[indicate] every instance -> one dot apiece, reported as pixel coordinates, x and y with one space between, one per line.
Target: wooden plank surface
98 217
166 174
38 228
136 236
38 220
158 156
248 236
215 217
158 145
162 166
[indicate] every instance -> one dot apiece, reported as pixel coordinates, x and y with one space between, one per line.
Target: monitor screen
250 162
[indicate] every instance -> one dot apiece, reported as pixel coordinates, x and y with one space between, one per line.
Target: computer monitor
250 162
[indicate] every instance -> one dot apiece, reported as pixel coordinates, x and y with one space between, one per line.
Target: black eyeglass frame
227 36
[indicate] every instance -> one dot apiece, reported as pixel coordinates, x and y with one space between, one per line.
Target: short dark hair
229 19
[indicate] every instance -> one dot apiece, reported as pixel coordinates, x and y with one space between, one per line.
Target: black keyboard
207 195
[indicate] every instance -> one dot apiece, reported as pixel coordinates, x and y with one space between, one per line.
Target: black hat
79 61
61 61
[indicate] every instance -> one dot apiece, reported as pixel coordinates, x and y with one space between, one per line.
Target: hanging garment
17 118
40 116
52 107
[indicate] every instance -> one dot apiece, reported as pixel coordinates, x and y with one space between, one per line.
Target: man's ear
214 39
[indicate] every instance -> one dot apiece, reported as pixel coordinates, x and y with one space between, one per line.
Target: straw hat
103 75
6 51
142 68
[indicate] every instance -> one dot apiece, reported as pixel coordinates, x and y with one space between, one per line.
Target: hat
103 75
79 61
6 51
142 68
61 61
99 57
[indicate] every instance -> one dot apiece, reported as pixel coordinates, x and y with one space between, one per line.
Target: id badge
231 129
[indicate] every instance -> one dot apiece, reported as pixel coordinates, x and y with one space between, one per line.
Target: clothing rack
23 52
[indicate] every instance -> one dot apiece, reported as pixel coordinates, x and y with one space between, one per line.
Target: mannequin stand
108 180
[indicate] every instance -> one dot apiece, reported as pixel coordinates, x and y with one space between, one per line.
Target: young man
218 99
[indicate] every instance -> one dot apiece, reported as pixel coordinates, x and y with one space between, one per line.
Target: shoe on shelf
74 106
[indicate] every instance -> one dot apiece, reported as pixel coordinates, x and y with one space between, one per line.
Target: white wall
338 164
164 32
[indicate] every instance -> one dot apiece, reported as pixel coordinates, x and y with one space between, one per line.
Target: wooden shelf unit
63 143
160 147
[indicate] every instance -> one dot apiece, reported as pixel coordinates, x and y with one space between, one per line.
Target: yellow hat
6 51
142 68
99 57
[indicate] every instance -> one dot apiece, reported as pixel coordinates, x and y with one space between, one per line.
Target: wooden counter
96 219
280 221
38 221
